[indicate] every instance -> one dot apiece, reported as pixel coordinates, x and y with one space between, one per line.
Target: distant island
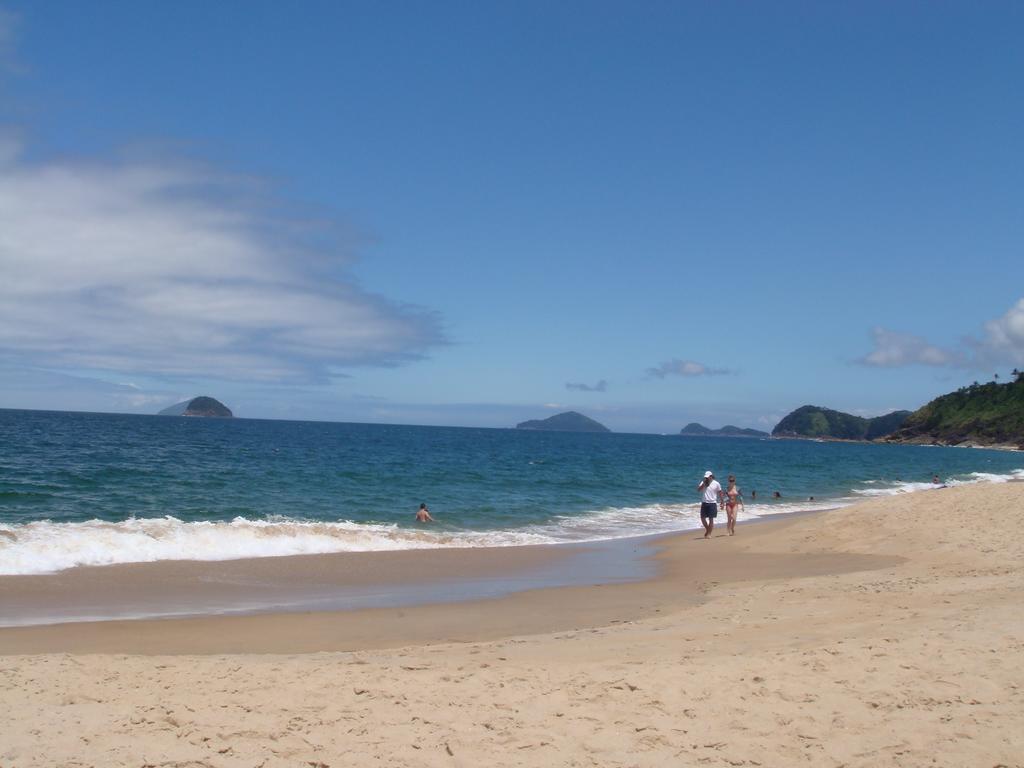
206 407
570 421
693 429
817 422
982 414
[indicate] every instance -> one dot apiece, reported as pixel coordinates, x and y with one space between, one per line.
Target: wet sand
344 580
449 574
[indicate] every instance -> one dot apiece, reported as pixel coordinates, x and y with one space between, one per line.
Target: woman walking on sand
733 499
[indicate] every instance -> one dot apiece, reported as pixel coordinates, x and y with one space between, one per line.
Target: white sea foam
893 489
625 522
988 477
898 487
47 547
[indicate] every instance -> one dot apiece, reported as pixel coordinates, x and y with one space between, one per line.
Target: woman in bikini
733 498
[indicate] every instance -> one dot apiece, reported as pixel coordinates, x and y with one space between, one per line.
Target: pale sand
794 657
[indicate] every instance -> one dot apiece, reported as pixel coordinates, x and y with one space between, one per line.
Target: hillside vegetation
815 421
981 414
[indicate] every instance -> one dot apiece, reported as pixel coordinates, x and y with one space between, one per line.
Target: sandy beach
888 633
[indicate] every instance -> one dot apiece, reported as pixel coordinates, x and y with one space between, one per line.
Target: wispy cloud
601 386
685 368
1004 338
894 349
171 270
1001 343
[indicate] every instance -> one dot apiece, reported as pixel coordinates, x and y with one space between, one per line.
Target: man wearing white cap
712 491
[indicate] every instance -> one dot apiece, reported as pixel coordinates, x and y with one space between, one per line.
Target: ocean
96 489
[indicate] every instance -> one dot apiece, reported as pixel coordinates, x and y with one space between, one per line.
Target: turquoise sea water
90 489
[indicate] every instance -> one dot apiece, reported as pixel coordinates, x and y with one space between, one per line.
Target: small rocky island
570 421
203 407
693 429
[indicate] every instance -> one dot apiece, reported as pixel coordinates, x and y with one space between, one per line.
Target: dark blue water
95 488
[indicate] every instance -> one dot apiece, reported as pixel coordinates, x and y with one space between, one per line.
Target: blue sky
479 213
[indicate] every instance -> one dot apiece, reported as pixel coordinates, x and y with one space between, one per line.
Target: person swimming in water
733 499
423 515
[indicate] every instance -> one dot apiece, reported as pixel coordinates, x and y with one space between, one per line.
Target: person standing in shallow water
712 495
423 515
733 499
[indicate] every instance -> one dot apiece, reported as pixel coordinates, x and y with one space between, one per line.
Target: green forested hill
981 414
880 426
815 421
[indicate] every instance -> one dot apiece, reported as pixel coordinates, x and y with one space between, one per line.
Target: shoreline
675 579
922 442
328 582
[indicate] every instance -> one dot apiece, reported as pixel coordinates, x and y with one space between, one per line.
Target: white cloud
894 349
685 368
1001 344
148 267
601 386
1004 338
